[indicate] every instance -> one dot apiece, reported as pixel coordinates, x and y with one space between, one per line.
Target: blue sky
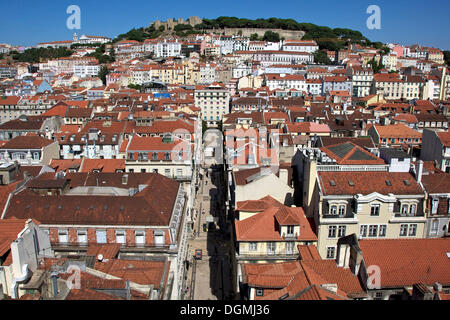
29 22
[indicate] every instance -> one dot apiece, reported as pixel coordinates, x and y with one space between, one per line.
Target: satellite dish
100 257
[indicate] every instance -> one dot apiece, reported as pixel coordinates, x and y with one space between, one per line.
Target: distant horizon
398 20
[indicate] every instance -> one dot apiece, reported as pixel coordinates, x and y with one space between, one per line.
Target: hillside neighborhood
222 159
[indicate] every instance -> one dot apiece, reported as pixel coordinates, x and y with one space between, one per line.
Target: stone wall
247 32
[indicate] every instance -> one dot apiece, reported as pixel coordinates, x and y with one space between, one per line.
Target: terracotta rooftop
26 142
404 262
351 183
261 226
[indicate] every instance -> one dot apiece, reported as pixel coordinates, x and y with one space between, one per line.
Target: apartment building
285 81
145 213
214 101
361 80
393 87
437 187
266 230
390 207
436 147
395 135
168 155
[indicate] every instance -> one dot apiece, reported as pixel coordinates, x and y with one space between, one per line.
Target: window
139 238
403 230
412 230
363 231
404 209
290 230
35 155
155 156
120 237
159 238
332 232
379 296
82 236
271 248
63 236
253 246
101 236
330 252
342 210
333 210
341 231
167 172
375 210
290 247
435 205
434 226
167 156
382 231
259 292
373 230
412 210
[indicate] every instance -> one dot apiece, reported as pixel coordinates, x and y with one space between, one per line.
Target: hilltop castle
171 23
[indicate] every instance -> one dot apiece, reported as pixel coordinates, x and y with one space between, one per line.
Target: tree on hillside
447 57
254 37
271 36
103 73
321 57
376 67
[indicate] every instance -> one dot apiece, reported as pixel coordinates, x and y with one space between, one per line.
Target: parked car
198 254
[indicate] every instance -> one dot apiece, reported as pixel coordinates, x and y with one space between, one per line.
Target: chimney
419 171
125 179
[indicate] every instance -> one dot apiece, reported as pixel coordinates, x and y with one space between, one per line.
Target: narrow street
210 277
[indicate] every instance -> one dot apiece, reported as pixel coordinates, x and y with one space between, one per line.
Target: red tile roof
26 142
257 205
360 186
404 262
261 226
103 165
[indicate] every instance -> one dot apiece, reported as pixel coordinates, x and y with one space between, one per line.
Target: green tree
447 57
271 36
376 67
254 37
103 73
204 126
321 57
135 86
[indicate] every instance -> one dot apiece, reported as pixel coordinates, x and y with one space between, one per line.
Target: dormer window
290 230
333 210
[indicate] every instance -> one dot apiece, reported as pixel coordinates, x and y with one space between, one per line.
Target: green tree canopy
271 36
103 73
321 57
35 55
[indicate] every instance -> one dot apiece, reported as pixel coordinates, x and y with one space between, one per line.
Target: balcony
407 215
252 256
82 247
